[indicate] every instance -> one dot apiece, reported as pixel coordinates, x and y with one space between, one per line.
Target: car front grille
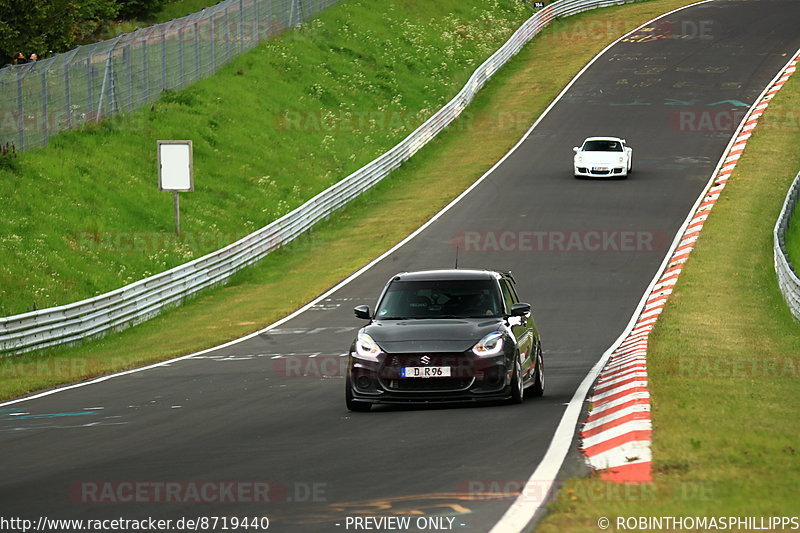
461 372
427 384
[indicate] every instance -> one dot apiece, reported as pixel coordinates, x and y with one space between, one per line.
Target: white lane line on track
735 145
359 272
521 512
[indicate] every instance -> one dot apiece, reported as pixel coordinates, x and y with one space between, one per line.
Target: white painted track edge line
544 475
736 138
522 511
358 272
561 442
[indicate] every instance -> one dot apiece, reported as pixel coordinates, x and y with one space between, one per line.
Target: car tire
517 385
537 389
352 404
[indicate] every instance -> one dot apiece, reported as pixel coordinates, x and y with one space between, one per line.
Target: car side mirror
520 309
576 149
362 311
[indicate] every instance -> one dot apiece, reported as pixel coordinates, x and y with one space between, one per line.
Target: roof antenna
456 256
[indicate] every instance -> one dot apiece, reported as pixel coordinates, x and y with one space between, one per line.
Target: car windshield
602 146
440 299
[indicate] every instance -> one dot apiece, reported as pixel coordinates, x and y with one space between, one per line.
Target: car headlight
491 344
579 159
367 348
621 159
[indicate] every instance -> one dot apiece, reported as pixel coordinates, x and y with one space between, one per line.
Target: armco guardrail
788 279
143 299
37 100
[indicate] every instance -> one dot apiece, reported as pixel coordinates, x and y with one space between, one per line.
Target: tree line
45 27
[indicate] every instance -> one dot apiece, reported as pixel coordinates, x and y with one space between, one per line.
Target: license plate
600 169
425 372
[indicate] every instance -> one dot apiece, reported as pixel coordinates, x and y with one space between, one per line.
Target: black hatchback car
445 336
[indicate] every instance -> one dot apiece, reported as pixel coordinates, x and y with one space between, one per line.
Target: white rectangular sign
175 166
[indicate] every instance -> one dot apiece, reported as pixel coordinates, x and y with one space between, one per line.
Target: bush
53 25
139 9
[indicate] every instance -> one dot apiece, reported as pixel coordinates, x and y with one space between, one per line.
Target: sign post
175 172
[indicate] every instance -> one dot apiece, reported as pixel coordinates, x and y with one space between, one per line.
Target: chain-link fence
37 100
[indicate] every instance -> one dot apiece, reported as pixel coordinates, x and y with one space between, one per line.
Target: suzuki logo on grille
425 360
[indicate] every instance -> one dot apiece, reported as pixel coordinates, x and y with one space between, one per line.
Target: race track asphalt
271 409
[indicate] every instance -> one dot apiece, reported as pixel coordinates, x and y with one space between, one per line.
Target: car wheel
352 404
538 385
517 386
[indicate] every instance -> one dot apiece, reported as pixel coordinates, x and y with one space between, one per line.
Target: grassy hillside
278 125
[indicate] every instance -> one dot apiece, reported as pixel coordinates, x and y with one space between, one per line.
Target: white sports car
603 156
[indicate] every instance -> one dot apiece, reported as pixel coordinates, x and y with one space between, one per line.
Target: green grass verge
383 216
272 129
724 363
